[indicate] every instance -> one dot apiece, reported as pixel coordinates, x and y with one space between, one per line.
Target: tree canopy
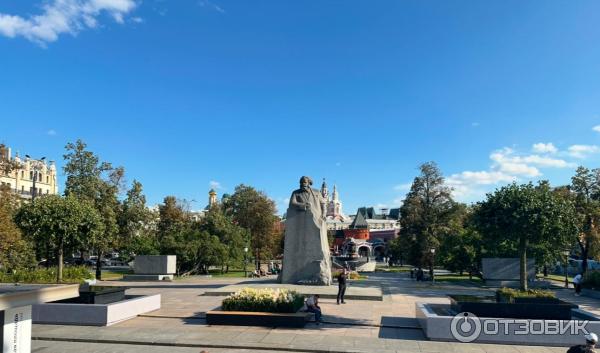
520 217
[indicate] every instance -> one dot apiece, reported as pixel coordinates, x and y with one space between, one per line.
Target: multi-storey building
30 176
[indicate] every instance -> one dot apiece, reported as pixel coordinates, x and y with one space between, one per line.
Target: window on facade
47 179
22 188
47 190
22 174
39 176
31 175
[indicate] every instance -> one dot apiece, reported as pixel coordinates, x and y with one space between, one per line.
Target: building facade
30 177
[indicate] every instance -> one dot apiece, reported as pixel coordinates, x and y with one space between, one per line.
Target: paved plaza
359 326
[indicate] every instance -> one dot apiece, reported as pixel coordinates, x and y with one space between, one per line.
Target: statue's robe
306 257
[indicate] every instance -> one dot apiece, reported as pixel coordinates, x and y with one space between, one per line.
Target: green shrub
507 295
591 279
71 274
265 300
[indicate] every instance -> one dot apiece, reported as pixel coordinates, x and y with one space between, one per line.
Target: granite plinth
15 311
155 265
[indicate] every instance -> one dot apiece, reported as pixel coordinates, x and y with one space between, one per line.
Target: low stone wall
509 331
94 314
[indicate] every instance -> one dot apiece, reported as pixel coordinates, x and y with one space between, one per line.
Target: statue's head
305 183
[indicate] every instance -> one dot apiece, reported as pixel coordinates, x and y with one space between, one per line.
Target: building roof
359 221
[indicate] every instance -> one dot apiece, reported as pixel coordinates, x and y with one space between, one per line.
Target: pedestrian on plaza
420 274
342 277
590 342
577 283
312 306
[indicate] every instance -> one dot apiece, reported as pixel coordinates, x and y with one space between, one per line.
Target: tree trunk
48 253
99 266
523 261
59 256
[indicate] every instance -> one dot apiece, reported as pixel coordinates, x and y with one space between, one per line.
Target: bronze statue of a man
306 258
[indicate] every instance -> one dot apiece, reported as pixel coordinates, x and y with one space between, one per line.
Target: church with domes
334 205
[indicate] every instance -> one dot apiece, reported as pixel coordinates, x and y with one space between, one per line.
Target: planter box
97 295
253 318
523 308
95 314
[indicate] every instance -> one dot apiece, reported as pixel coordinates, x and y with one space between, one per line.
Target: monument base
148 277
16 330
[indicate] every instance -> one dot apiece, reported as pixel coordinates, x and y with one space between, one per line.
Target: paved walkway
359 326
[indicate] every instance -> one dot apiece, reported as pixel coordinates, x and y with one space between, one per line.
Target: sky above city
188 95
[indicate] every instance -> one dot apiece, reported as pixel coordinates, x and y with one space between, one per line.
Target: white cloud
51 132
137 19
544 148
214 185
403 187
582 151
480 178
507 163
63 16
596 128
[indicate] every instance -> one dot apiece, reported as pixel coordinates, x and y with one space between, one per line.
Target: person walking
590 342
577 283
342 277
312 306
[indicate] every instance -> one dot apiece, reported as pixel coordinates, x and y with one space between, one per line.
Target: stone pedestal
153 268
15 311
16 330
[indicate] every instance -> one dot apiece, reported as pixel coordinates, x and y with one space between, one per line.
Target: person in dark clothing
342 285
590 342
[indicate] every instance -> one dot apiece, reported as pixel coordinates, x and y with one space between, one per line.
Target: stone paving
359 326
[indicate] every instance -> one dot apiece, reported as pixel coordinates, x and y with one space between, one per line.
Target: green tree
136 227
525 216
99 183
426 214
62 222
585 188
254 211
173 217
15 252
232 236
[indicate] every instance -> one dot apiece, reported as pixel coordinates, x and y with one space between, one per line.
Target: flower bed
264 300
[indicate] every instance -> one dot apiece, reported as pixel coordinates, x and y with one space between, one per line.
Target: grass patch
394 269
458 279
559 278
231 273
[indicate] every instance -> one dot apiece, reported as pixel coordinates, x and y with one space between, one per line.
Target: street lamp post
246 262
432 250
36 169
566 253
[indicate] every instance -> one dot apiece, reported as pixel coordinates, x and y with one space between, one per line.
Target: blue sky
192 93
